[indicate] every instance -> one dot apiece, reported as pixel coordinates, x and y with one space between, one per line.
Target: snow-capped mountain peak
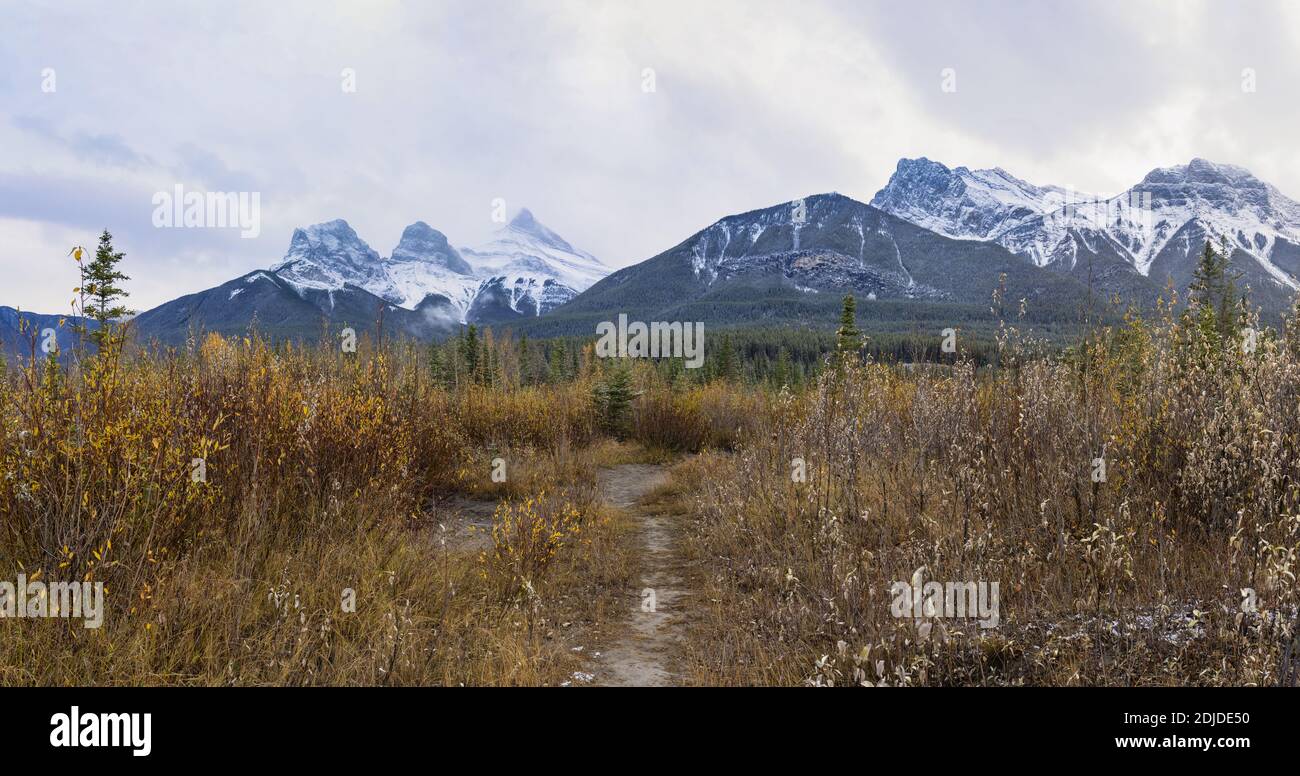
960 202
422 243
529 269
1162 221
1202 186
425 264
331 241
1155 230
330 255
525 269
529 229
524 240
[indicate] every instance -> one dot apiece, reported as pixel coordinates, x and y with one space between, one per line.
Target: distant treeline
755 356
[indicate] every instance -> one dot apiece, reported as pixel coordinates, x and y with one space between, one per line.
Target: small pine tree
438 365
848 338
525 361
559 361
781 372
728 368
612 396
674 370
103 295
469 351
492 372
1215 303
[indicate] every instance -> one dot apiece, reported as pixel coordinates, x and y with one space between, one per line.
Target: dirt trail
640 659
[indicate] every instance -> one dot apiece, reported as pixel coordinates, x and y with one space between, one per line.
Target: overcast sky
543 104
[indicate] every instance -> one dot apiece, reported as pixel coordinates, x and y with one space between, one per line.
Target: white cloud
35 264
540 103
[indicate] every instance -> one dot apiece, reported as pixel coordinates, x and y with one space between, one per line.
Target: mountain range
790 264
330 277
1133 243
24 334
935 243
932 245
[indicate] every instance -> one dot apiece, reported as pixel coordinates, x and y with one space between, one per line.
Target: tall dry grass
990 475
329 472
322 472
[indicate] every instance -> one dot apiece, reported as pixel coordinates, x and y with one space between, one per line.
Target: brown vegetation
1145 574
1123 495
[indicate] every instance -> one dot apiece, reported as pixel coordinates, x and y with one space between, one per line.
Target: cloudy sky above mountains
542 104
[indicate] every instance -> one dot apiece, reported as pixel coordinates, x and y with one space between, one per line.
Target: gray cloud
540 102
108 150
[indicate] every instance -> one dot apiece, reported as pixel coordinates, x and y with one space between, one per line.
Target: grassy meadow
296 515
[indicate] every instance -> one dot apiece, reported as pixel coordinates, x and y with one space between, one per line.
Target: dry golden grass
328 472
988 476
321 473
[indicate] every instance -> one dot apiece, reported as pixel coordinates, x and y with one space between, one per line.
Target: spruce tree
1215 302
103 296
848 338
469 351
437 365
613 396
525 361
782 372
728 369
558 362
491 366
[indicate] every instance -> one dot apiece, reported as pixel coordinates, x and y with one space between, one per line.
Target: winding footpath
641 657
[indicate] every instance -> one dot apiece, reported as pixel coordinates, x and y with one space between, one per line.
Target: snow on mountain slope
1222 200
328 255
532 267
1054 226
963 203
424 264
525 269
793 262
